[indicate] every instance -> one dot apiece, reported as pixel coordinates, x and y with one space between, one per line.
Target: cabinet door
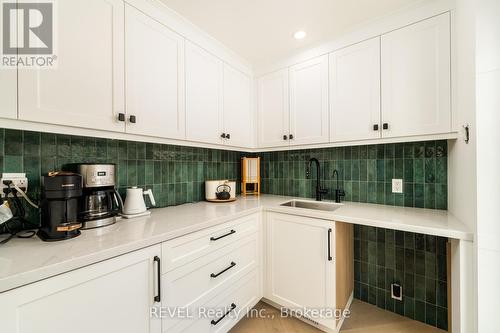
111 296
416 79
355 92
237 112
274 109
8 93
299 272
86 89
203 95
309 102
154 77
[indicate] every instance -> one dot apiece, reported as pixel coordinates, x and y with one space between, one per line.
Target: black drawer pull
158 272
215 322
329 245
228 234
213 275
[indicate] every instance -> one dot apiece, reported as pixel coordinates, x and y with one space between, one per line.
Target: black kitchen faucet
319 191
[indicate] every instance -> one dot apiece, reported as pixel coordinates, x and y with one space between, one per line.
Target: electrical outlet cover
397 186
396 291
19 179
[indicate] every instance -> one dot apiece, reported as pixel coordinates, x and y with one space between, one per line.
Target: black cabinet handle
132 119
215 322
385 126
157 260
214 275
228 136
223 135
375 127
225 235
121 116
291 136
285 137
329 244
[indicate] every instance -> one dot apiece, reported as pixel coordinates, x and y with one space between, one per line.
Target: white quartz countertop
23 261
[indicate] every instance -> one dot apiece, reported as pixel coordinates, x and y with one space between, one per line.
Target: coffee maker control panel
97 175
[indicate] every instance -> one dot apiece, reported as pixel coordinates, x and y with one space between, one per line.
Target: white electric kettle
134 202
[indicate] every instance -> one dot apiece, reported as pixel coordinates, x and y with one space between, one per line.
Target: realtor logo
28 34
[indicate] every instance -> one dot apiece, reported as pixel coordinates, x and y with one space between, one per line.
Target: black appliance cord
18 224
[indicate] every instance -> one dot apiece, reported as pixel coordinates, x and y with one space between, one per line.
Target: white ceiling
261 31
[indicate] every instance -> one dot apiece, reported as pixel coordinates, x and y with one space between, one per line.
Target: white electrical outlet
19 179
397 186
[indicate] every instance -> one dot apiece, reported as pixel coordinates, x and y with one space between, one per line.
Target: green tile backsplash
416 262
366 173
175 173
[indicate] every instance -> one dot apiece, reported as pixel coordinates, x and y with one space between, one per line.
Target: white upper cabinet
8 93
204 90
309 102
237 108
355 92
416 79
154 77
87 87
8 86
273 109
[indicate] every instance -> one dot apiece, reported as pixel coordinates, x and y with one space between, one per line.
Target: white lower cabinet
212 277
300 265
111 296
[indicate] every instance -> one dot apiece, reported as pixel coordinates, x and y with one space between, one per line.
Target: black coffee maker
61 192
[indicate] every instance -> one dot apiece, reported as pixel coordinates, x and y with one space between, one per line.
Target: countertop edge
38 274
26 278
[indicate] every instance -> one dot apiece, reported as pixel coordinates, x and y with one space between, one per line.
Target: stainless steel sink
315 205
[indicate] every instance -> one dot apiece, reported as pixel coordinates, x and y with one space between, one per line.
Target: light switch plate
397 186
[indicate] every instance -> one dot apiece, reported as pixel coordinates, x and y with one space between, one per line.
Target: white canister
211 188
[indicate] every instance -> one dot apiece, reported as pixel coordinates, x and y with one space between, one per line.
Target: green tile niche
366 173
416 262
175 173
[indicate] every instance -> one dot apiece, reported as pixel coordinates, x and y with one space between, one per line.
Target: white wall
462 158
488 163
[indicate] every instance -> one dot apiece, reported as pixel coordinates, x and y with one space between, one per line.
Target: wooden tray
217 200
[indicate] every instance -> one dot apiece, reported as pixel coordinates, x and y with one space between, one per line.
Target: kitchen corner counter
23 261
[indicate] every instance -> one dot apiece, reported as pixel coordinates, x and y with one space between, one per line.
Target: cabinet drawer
236 301
194 284
182 250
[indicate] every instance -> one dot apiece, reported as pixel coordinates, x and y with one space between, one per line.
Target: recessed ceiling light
299 34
